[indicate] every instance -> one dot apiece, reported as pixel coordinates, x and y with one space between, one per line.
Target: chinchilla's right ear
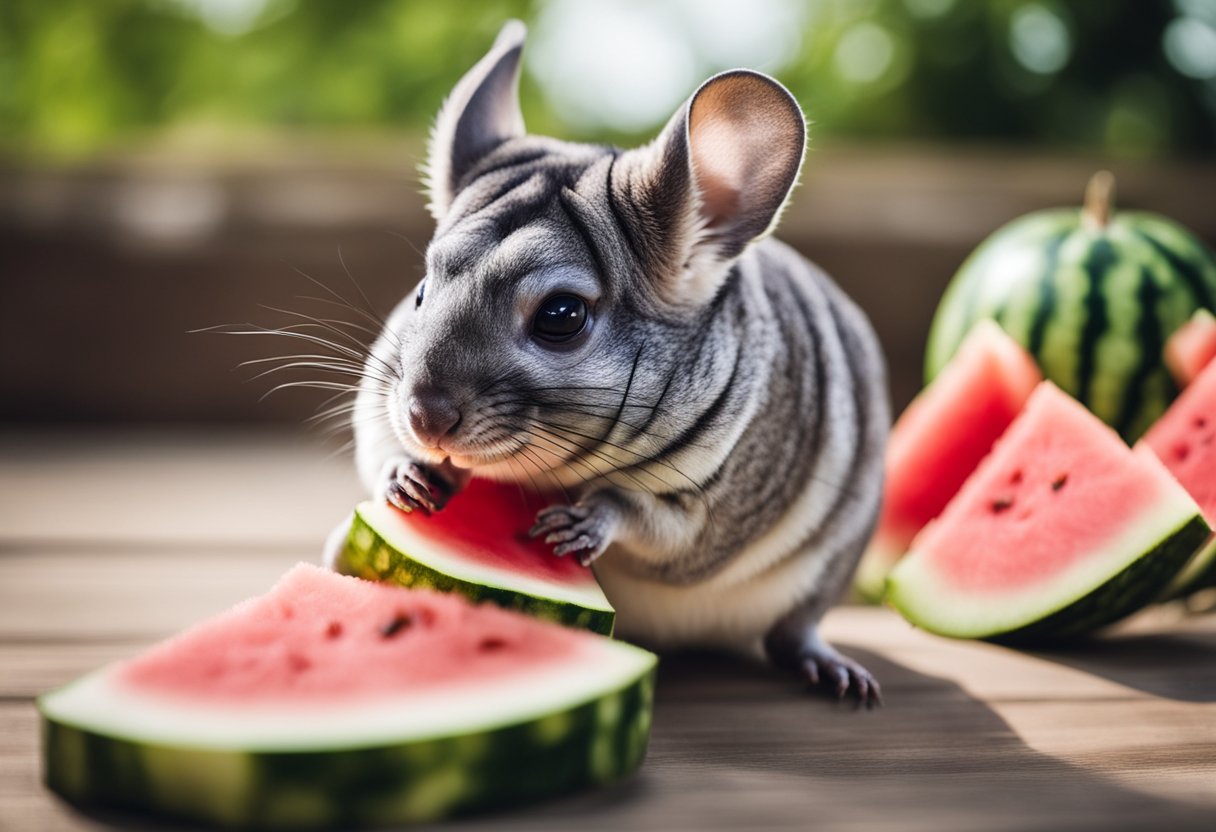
714 180
481 113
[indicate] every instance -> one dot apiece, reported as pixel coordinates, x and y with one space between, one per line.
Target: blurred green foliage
81 76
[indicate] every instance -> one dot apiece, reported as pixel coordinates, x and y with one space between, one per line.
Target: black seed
1058 482
490 644
399 623
1002 504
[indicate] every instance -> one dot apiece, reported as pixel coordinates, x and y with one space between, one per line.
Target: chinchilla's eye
560 318
421 294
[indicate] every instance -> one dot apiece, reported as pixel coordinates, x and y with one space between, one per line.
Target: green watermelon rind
1199 573
591 742
1139 582
368 554
1088 328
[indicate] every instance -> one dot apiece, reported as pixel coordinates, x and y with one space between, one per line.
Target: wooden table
110 541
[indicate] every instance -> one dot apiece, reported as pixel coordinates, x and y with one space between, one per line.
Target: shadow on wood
1179 666
739 746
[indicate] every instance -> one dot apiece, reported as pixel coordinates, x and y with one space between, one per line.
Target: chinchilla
619 326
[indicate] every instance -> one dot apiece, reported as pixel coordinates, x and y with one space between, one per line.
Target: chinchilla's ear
714 180
481 113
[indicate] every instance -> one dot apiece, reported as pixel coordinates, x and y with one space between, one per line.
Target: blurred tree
1122 76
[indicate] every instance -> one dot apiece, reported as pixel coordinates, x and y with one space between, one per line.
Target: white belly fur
714 613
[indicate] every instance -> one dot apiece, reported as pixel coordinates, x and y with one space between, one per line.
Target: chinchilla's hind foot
795 646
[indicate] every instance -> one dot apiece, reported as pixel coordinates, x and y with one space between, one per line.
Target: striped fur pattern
717 431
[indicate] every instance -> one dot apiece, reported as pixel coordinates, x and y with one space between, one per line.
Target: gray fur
720 383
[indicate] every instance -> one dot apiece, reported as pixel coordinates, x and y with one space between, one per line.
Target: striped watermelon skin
1094 305
369 556
597 742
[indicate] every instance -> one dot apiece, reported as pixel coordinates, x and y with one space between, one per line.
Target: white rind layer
100 704
428 551
926 598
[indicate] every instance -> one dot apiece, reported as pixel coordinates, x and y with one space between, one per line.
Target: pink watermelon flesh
1192 347
488 523
1185 440
1055 487
942 435
320 636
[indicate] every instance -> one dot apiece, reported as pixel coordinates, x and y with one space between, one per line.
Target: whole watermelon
1093 297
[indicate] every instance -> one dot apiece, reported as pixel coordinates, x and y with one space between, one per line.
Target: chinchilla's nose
433 414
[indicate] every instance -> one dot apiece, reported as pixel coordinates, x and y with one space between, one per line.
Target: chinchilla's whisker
351 277
553 478
614 470
639 458
358 346
292 331
315 365
302 356
641 431
567 457
370 318
314 385
535 487
327 324
369 312
523 497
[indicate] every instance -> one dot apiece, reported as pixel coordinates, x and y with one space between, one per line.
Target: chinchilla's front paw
585 529
409 486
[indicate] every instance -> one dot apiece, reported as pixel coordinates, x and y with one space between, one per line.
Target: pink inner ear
718 174
746 142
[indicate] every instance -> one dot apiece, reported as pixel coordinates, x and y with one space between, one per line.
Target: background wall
168 165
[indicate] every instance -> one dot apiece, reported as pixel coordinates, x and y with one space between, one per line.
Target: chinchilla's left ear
714 180
481 113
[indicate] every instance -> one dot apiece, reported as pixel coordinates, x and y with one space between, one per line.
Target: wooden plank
238 488
120 595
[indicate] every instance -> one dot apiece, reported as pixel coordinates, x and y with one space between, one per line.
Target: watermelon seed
399 623
334 630
1058 482
491 644
1201 422
1002 504
1181 451
1016 478
298 663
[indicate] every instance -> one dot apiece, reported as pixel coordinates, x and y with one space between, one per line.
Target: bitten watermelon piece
1192 347
477 546
333 702
1185 440
1062 529
940 438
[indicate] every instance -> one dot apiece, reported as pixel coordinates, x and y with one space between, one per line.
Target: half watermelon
1062 529
940 438
1185 440
1192 347
332 702
477 546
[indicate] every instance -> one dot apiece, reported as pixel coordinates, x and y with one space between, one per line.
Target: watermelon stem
1099 198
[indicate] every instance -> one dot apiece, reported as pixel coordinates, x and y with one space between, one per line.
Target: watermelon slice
332 701
1061 530
1185 440
940 438
477 546
1192 347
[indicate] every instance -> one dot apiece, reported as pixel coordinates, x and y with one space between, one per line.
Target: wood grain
1120 734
